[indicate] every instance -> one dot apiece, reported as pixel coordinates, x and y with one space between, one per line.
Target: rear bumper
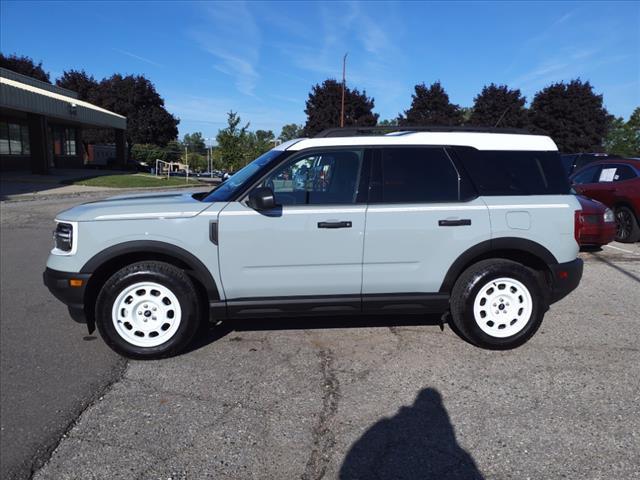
566 277
58 284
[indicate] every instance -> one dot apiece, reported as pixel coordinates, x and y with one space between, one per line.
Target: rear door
422 215
309 247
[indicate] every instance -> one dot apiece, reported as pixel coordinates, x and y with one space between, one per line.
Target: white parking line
622 250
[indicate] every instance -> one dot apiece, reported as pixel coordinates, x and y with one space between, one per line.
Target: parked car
616 183
477 227
598 224
573 162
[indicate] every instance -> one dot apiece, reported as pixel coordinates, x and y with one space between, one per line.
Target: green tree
572 114
195 142
197 162
79 81
623 138
324 105
431 106
232 142
388 123
290 132
136 98
25 66
173 151
499 106
259 142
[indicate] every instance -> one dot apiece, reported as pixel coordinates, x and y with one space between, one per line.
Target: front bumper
59 285
565 278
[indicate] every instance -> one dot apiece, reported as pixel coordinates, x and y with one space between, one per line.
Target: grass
137 180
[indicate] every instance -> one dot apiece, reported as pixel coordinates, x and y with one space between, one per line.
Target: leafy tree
431 106
257 143
624 138
571 114
79 81
147 153
497 105
388 123
290 132
173 151
324 105
197 162
136 98
195 142
466 114
232 141
25 66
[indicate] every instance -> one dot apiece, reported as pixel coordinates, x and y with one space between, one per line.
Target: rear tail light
578 225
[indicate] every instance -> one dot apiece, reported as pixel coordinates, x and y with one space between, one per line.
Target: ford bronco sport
478 226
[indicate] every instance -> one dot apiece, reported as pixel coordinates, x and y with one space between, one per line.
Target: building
41 125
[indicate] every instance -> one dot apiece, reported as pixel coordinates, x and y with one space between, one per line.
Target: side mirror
262 198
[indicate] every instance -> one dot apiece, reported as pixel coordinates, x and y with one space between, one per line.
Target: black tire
166 275
627 229
476 278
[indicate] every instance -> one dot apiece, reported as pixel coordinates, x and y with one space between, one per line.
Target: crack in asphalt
43 459
323 437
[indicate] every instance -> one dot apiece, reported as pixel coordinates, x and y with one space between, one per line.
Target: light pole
344 70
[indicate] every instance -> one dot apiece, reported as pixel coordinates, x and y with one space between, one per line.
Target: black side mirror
262 198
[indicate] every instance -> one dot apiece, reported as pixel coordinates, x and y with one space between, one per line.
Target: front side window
319 178
418 175
586 176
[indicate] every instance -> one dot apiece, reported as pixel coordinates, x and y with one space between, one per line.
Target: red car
597 223
616 183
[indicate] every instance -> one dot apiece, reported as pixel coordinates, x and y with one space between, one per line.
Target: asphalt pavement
314 398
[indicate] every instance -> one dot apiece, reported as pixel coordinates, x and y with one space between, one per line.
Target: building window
70 141
14 139
64 141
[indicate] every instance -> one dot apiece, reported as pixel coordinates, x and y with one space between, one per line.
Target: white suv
478 224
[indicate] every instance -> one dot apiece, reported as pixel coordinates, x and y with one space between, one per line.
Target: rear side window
418 175
616 173
495 172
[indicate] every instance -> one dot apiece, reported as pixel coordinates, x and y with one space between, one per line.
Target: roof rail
384 129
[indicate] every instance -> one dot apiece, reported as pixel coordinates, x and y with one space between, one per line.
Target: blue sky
260 59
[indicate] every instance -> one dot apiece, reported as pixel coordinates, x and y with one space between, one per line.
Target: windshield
225 191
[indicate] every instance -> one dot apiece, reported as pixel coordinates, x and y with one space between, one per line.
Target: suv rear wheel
497 304
148 310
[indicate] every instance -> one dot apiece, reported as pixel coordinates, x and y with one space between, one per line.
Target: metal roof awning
29 98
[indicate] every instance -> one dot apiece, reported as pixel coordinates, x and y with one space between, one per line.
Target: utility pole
186 162
344 81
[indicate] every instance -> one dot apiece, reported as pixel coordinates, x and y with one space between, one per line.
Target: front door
306 254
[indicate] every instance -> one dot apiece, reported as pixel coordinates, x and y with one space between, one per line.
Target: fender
197 268
481 250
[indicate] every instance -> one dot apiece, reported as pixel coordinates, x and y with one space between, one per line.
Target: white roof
30 98
478 140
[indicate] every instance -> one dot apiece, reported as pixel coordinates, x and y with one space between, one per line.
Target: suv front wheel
148 310
497 304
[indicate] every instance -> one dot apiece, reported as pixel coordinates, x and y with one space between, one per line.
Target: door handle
334 224
454 223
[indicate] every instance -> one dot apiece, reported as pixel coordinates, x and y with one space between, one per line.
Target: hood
137 207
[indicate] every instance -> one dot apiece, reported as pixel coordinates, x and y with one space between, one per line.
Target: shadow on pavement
216 332
624 271
417 443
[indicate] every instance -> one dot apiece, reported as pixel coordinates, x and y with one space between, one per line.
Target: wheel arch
102 265
527 252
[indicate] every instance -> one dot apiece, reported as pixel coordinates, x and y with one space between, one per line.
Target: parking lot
315 398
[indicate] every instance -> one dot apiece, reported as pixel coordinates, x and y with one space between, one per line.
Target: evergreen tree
572 115
324 105
498 106
25 66
431 106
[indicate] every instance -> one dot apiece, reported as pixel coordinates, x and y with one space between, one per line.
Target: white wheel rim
502 307
146 314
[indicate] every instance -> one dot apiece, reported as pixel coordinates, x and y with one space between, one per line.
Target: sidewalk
18 186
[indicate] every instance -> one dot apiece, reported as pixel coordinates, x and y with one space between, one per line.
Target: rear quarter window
495 172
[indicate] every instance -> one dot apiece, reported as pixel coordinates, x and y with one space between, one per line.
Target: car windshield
226 190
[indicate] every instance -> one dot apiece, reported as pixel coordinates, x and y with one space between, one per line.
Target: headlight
608 216
63 238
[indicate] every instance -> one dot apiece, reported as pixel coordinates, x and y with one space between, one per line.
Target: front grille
63 237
